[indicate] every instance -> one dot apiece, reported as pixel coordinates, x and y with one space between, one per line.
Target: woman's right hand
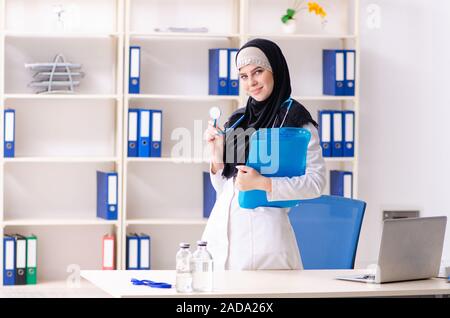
215 143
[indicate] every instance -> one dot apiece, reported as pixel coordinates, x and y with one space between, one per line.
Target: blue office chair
327 231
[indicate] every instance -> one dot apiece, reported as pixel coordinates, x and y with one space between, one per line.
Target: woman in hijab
260 238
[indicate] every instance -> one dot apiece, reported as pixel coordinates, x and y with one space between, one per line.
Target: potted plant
288 19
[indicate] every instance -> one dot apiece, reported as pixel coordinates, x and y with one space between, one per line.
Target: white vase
290 26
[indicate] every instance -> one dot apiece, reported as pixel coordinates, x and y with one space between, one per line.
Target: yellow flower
298 5
317 9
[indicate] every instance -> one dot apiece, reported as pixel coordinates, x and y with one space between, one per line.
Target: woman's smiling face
256 81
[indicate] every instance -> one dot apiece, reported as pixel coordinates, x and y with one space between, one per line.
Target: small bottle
202 269
183 267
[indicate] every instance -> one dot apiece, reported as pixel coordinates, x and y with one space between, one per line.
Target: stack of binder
337 133
9 133
209 195
138 251
341 183
107 189
19 260
144 132
338 72
223 74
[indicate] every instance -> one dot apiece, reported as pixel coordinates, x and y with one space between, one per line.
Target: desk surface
310 283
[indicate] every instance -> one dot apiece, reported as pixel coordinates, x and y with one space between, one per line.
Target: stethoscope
215 113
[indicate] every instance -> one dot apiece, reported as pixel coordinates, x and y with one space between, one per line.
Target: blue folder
233 73
218 72
133 132
144 251
333 68
144 134
9 133
107 195
349 133
9 260
341 183
350 65
275 152
156 133
337 142
326 131
135 70
133 252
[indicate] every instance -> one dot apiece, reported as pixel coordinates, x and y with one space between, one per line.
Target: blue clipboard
275 152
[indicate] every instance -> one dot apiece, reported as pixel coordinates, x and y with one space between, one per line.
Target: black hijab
263 114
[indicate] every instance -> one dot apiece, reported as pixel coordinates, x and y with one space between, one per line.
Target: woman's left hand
250 179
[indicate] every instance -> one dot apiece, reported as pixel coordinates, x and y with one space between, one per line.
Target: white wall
405 110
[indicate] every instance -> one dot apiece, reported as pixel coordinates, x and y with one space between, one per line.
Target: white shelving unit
61 140
156 199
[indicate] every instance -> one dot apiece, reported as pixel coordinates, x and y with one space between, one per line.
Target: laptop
410 249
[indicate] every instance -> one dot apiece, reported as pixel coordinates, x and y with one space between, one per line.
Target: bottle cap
202 243
184 245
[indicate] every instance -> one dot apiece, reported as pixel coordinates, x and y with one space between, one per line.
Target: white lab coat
261 238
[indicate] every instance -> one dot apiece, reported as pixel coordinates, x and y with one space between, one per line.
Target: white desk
256 284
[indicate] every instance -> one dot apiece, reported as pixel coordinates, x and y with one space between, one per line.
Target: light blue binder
275 152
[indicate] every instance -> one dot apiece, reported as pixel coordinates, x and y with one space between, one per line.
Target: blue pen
150 283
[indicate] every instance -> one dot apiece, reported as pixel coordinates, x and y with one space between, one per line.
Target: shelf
167 222
60 35
206 98
339 159
324 98
183 36
199 160
60 159
60 96
305 36
170 160
211 98
51 222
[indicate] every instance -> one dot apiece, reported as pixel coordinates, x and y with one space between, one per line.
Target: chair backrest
327 231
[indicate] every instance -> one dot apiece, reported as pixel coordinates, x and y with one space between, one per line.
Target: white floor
53 290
